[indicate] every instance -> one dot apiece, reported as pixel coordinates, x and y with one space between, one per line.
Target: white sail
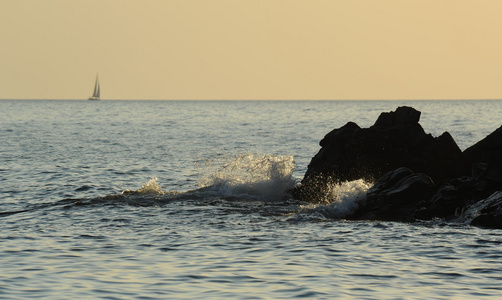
97 91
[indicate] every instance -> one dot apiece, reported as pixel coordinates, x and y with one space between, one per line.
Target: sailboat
95 95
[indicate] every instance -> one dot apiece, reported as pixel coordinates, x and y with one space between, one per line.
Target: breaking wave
243 176
260 176
343 198
152 187
256 177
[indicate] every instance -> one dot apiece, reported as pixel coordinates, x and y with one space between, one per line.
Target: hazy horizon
251 50
216 100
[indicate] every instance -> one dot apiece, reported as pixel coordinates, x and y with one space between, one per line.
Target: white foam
261 176
152 187
343 198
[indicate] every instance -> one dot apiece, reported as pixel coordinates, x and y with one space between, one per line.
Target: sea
189 200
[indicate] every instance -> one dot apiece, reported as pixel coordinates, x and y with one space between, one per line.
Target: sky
251 49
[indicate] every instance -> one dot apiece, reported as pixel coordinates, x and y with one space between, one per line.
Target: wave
253 177
243 178
152 187
249 175
342 198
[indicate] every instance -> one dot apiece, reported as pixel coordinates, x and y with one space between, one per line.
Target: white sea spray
261 176
342 198
152 187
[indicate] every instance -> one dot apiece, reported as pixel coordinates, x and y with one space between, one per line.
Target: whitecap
249 175
343 199
152 187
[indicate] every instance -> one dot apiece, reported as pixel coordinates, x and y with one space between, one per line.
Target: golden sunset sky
256 49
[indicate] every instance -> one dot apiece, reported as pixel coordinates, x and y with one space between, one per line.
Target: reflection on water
219 248
108 200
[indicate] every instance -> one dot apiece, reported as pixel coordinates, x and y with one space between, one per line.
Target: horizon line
376 99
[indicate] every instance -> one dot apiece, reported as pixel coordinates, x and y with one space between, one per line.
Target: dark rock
486 150
402 115
493 221
484 159
395 140
396 196
389 179
315 190
455 196
488 212
417 176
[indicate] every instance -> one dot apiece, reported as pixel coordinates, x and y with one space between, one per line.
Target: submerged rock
417 176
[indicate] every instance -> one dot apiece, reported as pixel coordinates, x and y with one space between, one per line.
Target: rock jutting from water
418 176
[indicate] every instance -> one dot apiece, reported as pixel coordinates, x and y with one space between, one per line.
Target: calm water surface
206 214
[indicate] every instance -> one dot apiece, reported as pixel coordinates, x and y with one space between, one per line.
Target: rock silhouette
417 176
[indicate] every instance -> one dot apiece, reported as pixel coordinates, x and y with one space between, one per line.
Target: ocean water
188 199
